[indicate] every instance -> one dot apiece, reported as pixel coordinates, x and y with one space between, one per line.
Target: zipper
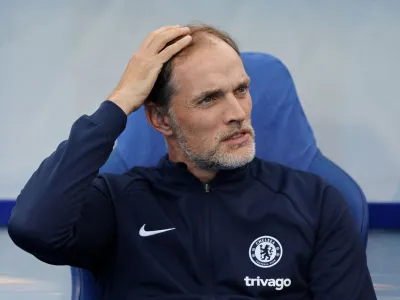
207 235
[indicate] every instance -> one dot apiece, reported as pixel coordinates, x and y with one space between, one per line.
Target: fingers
174 48
172 38
165 37
152 36
160 38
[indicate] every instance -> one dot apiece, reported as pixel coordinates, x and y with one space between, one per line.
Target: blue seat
283 135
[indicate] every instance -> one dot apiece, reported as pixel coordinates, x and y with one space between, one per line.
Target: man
211 221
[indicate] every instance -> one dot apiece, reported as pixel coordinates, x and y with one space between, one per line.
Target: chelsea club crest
265 251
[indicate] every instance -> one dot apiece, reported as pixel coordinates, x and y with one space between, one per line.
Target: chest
252 242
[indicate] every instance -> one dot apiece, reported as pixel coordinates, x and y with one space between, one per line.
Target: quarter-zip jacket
262 231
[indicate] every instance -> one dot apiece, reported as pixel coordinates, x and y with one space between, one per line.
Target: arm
339 266
64 214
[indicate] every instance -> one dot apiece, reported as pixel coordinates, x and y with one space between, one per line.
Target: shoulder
307 192
137 178
283 179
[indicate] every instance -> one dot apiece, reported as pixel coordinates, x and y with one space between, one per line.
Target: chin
247 148
227 158
237 157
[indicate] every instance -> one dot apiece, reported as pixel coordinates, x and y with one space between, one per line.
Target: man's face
211 104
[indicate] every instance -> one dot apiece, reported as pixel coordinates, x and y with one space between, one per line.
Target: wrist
111 118
121 104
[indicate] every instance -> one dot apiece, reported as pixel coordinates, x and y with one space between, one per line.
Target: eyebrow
217 92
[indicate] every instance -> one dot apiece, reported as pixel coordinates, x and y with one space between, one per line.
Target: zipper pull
207 188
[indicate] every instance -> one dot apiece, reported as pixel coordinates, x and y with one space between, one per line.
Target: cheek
247 105
202 128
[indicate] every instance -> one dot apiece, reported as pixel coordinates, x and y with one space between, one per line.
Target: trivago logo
278 283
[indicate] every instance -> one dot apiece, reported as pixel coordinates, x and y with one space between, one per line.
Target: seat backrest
283 135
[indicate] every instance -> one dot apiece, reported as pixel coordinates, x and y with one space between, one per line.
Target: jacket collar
178 174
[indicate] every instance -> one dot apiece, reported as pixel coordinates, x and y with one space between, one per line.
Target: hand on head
145 65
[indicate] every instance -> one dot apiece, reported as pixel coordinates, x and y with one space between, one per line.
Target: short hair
163 89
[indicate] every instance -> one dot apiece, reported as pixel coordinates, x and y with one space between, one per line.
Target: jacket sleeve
64 214
339 266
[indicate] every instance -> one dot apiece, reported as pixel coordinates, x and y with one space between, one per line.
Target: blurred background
61 59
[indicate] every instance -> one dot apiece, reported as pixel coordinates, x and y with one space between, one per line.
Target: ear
158 119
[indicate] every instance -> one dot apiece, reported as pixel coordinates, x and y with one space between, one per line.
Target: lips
236 134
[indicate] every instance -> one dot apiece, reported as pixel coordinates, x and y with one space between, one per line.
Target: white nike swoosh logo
144 232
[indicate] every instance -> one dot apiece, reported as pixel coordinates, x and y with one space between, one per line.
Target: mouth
237 134
237 138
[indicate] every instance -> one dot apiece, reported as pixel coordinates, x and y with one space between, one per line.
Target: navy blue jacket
262 231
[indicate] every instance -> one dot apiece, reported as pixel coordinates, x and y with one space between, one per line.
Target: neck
204 176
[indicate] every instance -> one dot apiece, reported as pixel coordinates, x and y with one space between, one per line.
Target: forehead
210 65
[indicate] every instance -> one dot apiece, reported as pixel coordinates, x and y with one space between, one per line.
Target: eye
242 89
206 100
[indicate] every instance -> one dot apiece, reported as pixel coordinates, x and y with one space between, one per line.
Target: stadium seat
283 135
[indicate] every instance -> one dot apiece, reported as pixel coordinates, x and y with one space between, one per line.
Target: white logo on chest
265 251
144 232
277 283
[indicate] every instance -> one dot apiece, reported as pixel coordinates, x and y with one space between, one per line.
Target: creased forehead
209 63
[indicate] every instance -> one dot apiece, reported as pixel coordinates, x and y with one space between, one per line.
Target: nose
234 112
